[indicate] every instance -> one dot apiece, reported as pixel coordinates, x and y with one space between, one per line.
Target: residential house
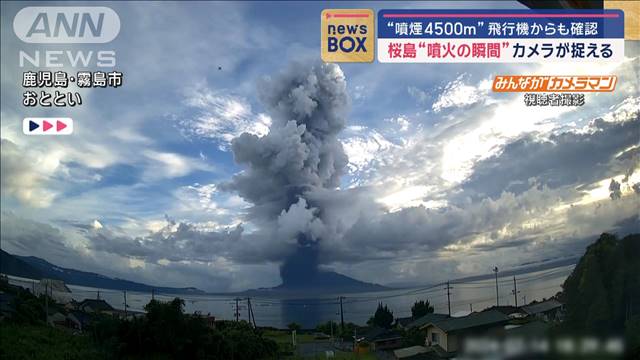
78 320
423 320
535 329
95 306
402 323
71 305
209 320
449 333
549 310
382 339
509 310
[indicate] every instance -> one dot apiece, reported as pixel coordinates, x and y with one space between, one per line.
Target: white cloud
97 224
206 205
402 122
624 110
420 95
411 196
222 117
171 165
25 174
363 146
457 94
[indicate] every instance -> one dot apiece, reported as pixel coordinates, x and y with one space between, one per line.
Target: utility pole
515 291
448 297
495 270
237 308
125 303
253 316
250 317
153 293
46 303
355 338
98 295
249 310
332 341
470 308
341 314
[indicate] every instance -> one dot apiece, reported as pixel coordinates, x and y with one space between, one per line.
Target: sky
444 178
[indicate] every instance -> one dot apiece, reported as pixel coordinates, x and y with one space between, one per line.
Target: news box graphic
348 35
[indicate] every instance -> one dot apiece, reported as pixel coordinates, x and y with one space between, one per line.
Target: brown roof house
449 333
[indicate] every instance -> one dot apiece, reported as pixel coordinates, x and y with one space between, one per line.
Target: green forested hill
602 294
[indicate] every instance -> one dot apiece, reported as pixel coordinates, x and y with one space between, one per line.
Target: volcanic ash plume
300 155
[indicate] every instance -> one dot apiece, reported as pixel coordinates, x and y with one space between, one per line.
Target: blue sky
443 174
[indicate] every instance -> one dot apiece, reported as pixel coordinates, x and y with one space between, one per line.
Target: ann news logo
66 24
347 35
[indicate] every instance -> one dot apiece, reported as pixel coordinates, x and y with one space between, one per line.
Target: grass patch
43 342
284 337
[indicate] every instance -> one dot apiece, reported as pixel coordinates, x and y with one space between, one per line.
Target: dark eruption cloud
300 155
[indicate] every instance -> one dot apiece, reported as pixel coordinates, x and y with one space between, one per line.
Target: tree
328 327
165 331
413 337
602 294
383 317
294 326
421 308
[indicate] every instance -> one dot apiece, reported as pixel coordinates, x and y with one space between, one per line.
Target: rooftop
541 307
96 304
378 334
404 321
505 309
409 351
531 329
470 321
429 318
